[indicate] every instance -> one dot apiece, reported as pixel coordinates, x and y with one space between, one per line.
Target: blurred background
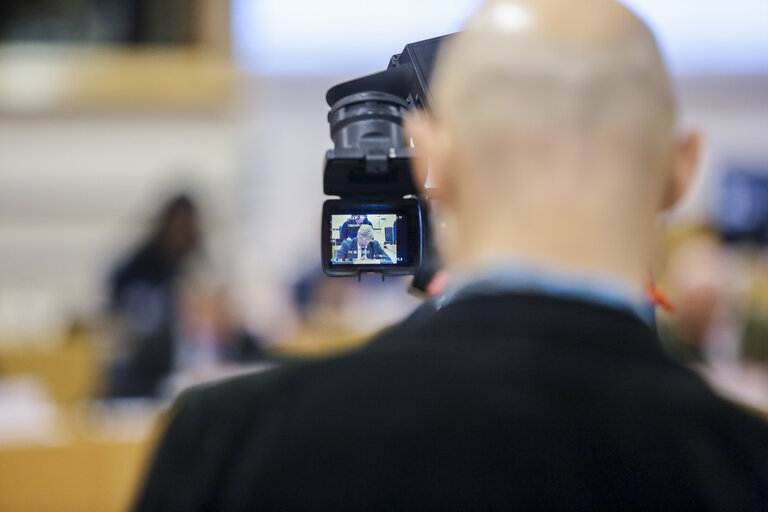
160 200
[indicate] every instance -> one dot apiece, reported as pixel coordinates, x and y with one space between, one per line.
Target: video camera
380 223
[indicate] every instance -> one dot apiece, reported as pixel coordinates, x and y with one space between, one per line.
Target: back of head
554 69
554 115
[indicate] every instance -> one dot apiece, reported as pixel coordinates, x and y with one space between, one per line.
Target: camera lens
368 120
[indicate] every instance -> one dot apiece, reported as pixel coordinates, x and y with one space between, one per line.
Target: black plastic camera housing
369 167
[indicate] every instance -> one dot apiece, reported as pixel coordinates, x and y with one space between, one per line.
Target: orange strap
658 297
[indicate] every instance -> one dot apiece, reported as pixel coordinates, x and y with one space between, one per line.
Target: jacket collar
516 315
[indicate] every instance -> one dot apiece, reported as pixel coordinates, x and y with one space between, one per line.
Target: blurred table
77 476
88 457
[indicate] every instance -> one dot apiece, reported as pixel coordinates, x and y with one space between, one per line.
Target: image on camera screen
368 239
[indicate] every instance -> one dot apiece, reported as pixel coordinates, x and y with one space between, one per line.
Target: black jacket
516 402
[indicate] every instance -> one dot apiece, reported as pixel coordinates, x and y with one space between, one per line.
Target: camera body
369 169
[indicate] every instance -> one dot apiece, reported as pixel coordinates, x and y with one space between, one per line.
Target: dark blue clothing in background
142 298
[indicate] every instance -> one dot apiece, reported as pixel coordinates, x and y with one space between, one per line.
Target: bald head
587 70
553 114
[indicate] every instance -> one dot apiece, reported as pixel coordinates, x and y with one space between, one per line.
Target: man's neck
613 254
516 275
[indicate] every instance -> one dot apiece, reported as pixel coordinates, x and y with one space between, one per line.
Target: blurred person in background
704 318
535 381
321 303
143 299
335 315
714 327
211 333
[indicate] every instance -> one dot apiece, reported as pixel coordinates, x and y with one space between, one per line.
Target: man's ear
685 166
422 129
417 127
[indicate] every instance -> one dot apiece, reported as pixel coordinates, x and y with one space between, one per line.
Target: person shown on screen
350 227
363 247
535 381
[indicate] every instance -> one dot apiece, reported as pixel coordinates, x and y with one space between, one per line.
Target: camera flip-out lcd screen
371 237
368 239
